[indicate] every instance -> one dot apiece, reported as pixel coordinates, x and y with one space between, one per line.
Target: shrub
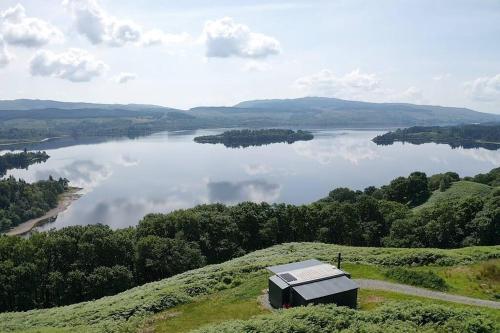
391 318
426 279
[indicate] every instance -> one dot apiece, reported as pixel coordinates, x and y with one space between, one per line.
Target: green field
460 189
237 282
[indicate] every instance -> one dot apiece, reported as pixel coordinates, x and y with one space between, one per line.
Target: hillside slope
460 189
335 112
127 311
39 104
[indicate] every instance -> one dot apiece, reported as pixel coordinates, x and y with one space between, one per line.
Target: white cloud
19 29
124 77
412 94
485 89
351 85
155 37
5 56
92 21
256 66
441 77
225 38
74 65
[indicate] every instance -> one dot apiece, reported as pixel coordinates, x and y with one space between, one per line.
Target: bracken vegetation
393 317
126 311
426 279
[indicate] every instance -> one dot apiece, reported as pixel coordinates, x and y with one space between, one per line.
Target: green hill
241 280
460 189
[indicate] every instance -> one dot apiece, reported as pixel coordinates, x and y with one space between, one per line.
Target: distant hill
33 120
39 104
337 112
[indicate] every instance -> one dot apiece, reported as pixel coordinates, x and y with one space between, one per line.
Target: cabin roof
294 265
323 288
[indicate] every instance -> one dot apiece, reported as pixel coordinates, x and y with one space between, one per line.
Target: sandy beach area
65 200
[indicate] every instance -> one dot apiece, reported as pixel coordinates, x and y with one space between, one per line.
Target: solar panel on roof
287 277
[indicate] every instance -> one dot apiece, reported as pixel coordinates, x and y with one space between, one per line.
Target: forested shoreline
467 136
257 137
86 262
21 160
21 201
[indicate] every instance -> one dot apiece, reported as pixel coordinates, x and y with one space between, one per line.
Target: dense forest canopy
86 262
257 137
21 201
467 136
20 160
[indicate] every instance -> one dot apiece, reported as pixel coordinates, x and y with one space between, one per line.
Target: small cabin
311 282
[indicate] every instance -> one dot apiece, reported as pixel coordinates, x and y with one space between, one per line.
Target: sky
199 52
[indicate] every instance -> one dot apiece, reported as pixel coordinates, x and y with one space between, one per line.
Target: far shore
65 200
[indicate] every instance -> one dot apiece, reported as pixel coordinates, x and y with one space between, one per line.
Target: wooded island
245 138
467 136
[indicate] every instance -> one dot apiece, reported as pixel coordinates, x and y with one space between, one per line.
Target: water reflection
249 190
126 179
350 148
82 173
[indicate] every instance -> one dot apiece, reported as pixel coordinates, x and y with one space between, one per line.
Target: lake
124 179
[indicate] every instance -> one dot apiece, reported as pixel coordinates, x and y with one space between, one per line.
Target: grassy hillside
460 189
129 310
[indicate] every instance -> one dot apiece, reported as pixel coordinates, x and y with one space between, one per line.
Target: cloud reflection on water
81 173
351 149
248 190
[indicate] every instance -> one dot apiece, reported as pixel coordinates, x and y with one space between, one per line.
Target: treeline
247 137
86 262
21 201
467 136
20 160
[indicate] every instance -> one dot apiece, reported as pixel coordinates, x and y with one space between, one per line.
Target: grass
127 311
241 301
469 280
457 190
369 300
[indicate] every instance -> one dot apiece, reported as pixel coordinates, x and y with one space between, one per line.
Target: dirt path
65 201
409 290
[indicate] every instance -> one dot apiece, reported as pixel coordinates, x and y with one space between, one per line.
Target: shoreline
28 141
65 200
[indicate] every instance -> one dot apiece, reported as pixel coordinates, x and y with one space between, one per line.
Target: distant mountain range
27 119
39 104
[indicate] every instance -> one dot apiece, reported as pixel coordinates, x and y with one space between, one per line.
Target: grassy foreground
128 311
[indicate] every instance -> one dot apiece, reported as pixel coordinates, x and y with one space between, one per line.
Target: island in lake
21 160
246 138
467 136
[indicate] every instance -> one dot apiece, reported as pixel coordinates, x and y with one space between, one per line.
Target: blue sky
190 53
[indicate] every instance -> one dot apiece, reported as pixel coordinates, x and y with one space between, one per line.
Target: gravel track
409 290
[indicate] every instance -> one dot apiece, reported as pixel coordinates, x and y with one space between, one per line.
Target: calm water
127 178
